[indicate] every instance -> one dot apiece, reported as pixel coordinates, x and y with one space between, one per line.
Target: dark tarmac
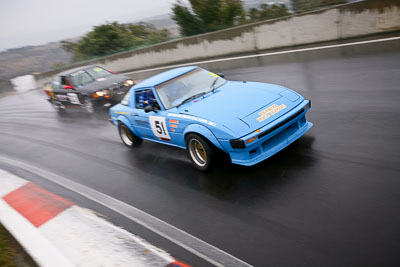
330 199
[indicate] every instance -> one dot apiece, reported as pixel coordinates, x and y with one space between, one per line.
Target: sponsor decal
269 111
173 126
172 130
193 118
174 121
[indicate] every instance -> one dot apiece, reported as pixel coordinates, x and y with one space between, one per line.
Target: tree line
196 17
114 37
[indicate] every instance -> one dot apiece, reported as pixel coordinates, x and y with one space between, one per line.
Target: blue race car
200 111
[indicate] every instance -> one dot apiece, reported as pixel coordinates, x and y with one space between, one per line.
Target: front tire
88 105
201 152
128 138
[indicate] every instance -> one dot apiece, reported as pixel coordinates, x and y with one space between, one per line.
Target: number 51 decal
159 127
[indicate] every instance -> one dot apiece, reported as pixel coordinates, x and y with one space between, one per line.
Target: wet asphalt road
330 199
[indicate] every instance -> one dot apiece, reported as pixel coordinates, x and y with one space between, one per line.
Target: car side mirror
148 108
221 75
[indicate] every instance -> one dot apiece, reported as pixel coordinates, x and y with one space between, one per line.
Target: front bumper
103 102
274 141
115 96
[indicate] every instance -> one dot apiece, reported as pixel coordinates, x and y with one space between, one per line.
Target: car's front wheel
88 105
201 152
127 137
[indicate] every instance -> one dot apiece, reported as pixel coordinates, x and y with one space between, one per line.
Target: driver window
65 81
145 98
56 83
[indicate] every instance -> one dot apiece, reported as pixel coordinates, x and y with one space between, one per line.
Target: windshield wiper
191 98
213 84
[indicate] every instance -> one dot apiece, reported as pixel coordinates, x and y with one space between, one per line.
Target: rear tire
128 138
57 107
201 152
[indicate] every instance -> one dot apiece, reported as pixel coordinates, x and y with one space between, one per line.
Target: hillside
25 60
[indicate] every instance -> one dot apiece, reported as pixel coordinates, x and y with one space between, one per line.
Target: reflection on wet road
330 199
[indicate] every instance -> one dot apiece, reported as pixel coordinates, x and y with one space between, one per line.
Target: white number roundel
159 127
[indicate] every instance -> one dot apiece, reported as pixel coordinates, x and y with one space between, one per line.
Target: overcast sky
35 22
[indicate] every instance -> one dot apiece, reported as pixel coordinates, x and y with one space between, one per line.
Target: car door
151 125
78 80
59 92
72 95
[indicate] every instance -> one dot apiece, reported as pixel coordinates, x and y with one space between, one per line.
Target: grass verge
11 252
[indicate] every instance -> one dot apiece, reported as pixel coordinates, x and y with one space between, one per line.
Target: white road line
191 243
266 54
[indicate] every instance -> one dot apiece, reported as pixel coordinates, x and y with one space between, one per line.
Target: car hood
104 83
236 105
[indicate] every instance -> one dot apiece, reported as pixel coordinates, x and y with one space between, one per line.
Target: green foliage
189 23
307 5
68 46
265 11
253 13
207 15
114 37
11 253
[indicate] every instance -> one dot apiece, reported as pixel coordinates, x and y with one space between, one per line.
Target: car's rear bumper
267 147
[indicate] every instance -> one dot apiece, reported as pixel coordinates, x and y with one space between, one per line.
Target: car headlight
237 143
100 93
129 82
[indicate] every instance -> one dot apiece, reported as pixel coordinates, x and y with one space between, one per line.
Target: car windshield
187 86
80 78
97 72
